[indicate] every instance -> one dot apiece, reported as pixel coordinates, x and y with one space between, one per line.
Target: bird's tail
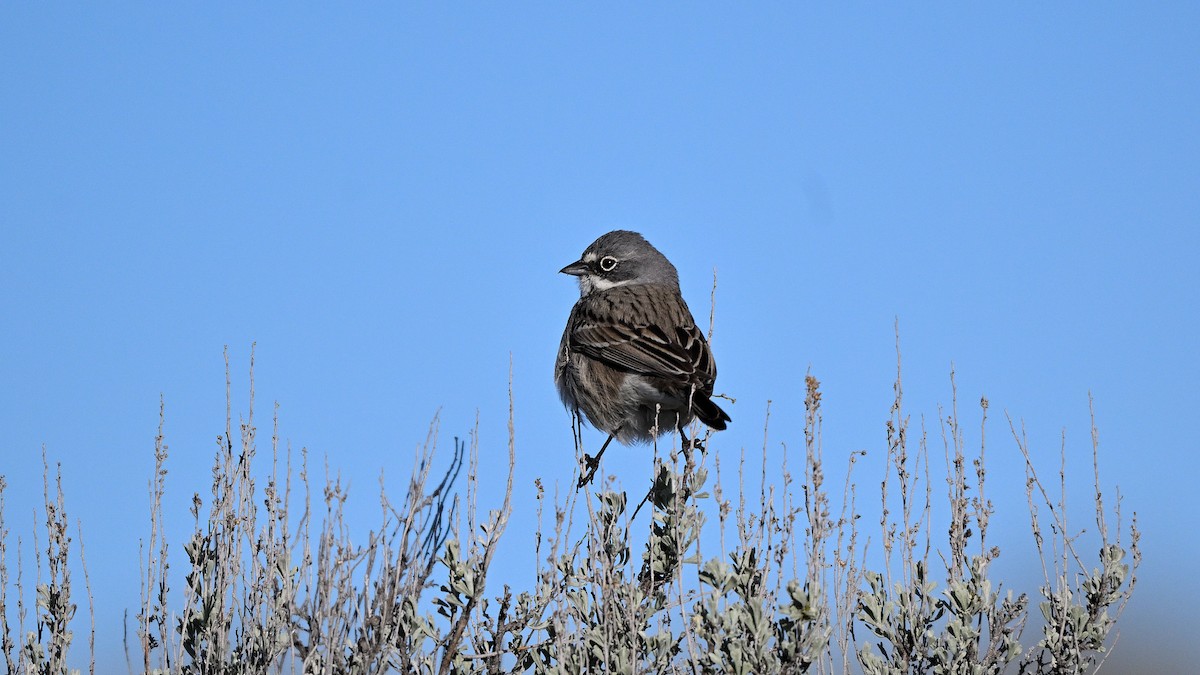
708 412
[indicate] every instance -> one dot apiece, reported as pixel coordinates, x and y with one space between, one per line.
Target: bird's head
620 258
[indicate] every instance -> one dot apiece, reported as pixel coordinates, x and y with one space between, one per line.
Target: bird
632 359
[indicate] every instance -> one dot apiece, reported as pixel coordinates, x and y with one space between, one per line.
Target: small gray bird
631 358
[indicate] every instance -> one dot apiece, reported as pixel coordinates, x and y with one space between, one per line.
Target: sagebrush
273 582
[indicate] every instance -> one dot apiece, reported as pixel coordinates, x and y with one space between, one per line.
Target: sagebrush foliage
273 584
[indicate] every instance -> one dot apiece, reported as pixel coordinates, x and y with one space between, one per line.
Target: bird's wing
680 354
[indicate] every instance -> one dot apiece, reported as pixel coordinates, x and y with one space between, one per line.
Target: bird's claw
592 464
691 445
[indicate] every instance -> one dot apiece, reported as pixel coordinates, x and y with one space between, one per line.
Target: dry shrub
273 582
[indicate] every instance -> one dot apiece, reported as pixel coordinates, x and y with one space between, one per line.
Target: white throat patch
589 283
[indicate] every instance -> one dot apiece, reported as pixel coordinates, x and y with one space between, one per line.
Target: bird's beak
575 269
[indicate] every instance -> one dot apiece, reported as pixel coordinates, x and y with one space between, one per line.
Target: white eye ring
608 263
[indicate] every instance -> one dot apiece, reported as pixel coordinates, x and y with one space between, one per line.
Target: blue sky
381 197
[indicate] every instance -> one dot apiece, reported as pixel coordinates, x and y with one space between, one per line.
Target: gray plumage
632 359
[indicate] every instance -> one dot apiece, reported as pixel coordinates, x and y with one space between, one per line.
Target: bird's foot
590 464
691 445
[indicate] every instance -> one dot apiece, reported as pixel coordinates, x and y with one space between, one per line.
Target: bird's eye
608 263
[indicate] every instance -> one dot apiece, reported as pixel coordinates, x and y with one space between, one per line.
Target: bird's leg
592 464
690 444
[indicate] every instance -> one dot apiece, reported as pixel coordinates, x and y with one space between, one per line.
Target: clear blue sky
381 198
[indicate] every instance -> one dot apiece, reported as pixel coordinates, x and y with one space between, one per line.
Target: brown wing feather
640 345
